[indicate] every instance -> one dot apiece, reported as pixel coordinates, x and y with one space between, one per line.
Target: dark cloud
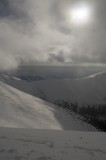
8 9
5 9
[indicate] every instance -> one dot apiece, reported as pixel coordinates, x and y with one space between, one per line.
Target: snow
30 144
33 129
21 110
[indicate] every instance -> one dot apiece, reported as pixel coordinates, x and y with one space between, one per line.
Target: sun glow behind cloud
79 14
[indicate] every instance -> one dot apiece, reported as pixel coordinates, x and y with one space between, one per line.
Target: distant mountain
89 90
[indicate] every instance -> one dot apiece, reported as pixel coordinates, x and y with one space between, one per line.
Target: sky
44 32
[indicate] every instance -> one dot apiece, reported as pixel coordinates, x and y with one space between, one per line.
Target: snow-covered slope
21 110
25 144
89 90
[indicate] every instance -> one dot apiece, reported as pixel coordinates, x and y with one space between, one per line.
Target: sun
79 14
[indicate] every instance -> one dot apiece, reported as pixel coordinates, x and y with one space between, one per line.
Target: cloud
38 32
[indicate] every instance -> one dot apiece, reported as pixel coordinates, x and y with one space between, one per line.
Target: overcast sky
41 32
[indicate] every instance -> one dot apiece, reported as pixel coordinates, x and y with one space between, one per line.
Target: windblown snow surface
28 144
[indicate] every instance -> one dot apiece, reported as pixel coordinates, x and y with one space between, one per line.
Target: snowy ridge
96 75
21 110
